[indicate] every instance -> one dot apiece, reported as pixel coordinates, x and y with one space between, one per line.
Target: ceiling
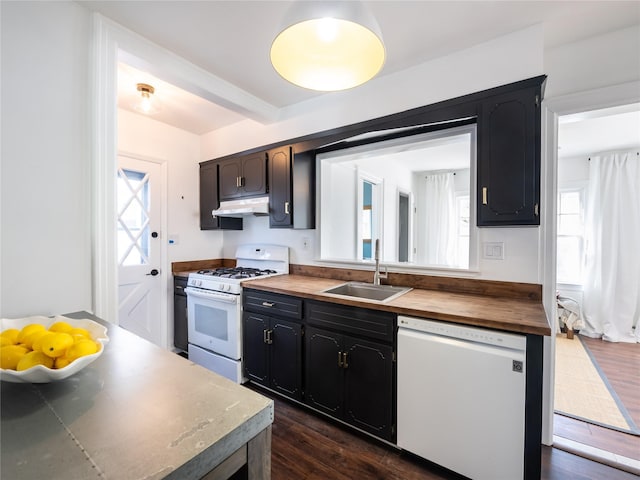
231 39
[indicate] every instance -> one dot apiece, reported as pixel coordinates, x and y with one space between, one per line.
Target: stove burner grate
237 272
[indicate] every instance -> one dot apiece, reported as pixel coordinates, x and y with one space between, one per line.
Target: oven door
214 321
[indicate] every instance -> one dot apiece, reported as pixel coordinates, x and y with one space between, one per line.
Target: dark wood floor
308 446
620 362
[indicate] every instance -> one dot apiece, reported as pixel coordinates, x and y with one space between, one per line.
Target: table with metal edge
137 412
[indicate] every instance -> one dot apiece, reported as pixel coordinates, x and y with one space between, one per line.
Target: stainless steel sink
367 291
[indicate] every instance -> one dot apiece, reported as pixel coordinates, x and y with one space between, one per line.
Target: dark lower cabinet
272 353
350 379
180 339
349 365
272 341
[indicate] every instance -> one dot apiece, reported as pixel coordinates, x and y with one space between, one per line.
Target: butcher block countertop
519 315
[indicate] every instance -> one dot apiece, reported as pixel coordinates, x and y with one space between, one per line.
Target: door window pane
133 217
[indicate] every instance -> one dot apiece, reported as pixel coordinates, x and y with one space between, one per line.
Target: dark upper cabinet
244 176
509 158
280 188
209 201
291 188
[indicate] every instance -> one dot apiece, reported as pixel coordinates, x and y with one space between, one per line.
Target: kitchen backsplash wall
519 265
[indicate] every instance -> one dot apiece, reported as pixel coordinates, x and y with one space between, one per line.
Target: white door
139 196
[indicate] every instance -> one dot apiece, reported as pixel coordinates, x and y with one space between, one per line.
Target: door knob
153 272
154 234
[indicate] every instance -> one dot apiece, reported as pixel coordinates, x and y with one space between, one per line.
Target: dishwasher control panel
461 332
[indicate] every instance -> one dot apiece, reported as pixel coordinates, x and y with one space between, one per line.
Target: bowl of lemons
46 349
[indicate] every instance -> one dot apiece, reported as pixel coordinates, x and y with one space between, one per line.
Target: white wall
507 59
148 138
596 62
46 159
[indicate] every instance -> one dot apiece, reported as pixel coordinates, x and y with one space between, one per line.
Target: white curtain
440 222
612 273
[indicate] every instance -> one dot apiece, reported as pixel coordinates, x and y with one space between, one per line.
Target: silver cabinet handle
268 304
286 208
484 195
339 359
344 360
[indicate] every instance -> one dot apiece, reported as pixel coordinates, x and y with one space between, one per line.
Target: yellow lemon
11 334
56 344
32 359
29 339
60 326
81 348
10 355
61 362
36 345
28 329
5 341
79 331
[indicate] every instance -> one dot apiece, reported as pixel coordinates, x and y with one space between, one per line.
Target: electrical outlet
305 243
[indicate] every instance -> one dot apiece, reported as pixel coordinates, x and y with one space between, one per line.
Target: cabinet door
509 159
208 196
230 172
280 205
255 351
368 393
323 374
209 201
180 314
254 174
286 357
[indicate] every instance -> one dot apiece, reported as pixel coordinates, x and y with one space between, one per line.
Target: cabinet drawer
274 304
179 284
358 321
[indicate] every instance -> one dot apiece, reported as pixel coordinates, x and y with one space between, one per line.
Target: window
570 236
133 217
370 207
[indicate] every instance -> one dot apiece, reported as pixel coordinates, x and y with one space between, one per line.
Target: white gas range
214 307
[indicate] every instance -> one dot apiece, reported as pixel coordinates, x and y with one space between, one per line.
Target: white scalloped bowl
40 373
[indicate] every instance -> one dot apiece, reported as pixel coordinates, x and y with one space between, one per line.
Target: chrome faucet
377 275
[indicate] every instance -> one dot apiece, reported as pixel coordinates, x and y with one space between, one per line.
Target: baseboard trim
597 455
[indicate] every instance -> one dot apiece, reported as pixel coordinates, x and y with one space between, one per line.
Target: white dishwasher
461 397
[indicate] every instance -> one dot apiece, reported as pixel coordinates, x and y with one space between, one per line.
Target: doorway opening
404 216
597 402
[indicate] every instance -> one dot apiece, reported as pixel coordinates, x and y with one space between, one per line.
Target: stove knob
221 287
227 287
198 283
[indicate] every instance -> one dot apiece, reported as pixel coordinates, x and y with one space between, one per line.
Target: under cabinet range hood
243 207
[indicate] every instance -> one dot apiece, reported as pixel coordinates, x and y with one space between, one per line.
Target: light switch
493 250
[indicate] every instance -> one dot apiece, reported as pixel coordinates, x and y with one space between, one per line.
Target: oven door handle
191 292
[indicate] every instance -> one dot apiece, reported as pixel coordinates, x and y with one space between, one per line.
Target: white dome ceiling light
328 46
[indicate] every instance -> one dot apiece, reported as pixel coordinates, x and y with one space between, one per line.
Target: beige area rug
582 391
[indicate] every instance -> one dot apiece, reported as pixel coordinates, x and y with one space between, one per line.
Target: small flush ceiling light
147 104
328 46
